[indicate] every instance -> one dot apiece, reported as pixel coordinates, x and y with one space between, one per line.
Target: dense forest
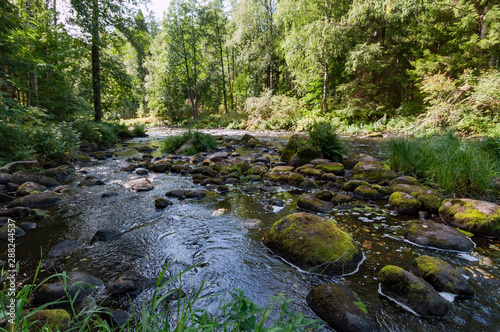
371 65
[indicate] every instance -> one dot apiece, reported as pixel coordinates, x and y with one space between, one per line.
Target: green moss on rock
404 203
353 184
335 168
55 320
372 171
313 243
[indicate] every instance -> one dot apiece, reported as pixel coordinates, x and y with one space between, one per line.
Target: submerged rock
106 234
412 291
162 203
441 275
77 286
90 181
479 217
340 308
313 243
64 248
431 234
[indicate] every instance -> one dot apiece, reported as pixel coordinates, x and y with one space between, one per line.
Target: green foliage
200 142
324 136
139 130
101 133
464 168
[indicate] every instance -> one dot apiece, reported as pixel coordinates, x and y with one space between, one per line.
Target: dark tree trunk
96 70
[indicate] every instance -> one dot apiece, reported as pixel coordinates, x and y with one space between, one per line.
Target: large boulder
141 184
411 291
5 178
351 185
64 248
479 217
77 286
441 275
47 198
372 171
6 233
404 203
61 173
335 168
314 244
29 188
431 234
340 308
366 193
311 203
429 199
299 151
160 166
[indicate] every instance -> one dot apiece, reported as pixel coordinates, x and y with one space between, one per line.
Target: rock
353 184
128 168
141 171
5 232
304 156
78 286
5 198
131 283
335 168
479 217
176 193
115 317
341 199
29 188
5 178
441 275
204 170
26 226
90 181
180 168
197 194
412 291
186 148
252 223
53 319
404 203
141 184
162 203
429 199
405 180
314 244
47 198
340 308
105 235
145 148
64 248
366 193
431 234
311 203
61 173
160 166
109 194
283 169
222 189
308 185
285 178
218 156
372 171
312 172
15 212
11 187
264 160
324 195
22 177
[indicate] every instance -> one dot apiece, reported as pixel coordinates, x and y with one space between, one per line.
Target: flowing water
232 256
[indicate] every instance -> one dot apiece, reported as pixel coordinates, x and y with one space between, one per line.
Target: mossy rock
327 177
431 234
230 165
294 143
353 184
46 198
314 244
5 232
405 180
54 319
29 188
479 217
335 168
308 185
309 171
160 166
404 203
341 199
412 291
283 169
372 171
409 189
324 195
430 199
340 308
311 203
441 275
257 169
366 192
82 158
304 156
285 178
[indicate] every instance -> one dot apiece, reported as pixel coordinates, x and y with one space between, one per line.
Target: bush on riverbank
159 313
199 142
464 168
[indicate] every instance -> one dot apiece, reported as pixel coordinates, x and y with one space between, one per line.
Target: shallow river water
233 256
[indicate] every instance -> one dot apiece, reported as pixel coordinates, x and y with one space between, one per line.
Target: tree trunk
96 70
222 66
189 90
325 85
229 82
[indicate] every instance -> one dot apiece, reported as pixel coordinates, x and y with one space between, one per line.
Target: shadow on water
233 256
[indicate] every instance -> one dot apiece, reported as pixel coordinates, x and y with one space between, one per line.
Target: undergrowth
200 142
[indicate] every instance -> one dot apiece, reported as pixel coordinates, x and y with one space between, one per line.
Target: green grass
324 136
200 142
239 313
464 168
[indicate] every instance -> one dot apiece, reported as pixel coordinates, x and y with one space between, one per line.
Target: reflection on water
233 256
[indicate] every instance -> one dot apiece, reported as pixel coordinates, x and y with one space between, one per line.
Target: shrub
102 133
324 136
18 147
200 142
139 130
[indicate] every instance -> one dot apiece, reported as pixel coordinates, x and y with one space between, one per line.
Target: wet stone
5 232
196 194
64 248
162 203
25 226
106 235
78 286
177 193
109 194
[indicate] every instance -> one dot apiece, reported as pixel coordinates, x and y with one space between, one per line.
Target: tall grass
464 168
160 313
200 142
